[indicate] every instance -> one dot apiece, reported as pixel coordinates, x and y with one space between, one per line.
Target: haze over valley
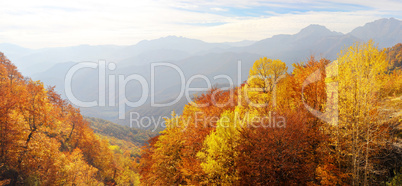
50 65
184 92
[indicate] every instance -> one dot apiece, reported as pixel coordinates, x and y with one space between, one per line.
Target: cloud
261 28
219 9
48 23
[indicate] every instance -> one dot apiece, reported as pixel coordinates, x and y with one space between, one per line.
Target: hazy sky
49 23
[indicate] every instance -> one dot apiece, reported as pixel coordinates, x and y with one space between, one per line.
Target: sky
54 23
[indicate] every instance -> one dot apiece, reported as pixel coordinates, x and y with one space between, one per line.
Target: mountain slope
312 40
46 141
128 139
164 45
385 32
394 54
193 57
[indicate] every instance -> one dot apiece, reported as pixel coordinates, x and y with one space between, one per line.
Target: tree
260 90
167 155
183 139
219 154
11 89
287 140
148 176
266 72
394 56
41 136
277 156
74 170
361 67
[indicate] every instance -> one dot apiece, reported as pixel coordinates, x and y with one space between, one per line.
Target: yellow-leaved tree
360 130
265 72
260 91
219 154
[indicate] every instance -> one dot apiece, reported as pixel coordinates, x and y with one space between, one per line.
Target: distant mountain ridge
191 56
386 32
312 40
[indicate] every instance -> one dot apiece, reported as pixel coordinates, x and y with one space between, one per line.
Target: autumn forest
322 123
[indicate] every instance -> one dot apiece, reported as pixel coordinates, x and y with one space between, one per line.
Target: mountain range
191 56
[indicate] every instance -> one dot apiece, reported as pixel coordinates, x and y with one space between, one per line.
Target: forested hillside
325 123
394 55
122 138
192 56
46 141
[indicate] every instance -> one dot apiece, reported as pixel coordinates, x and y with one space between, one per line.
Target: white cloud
261 28
47 23
219 9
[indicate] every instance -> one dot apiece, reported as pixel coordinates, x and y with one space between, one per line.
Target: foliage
325 123
394 56
46 141
361 68
121 138
319 125
107 128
